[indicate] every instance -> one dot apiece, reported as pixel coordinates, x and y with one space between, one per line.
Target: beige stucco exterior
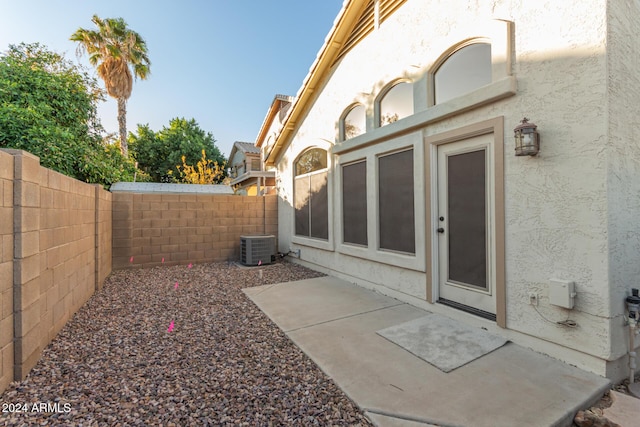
569 213
247 173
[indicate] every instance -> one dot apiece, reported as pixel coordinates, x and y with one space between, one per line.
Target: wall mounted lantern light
527 138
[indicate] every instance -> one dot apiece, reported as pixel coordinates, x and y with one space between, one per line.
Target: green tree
158 153
119 54
48 106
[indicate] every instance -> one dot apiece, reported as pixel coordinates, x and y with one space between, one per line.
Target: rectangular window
301 195
311 205
395 202
354 203
319 216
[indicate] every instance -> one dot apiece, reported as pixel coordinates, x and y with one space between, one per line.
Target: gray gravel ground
224 363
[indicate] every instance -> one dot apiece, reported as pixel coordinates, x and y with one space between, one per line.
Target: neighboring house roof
349 27
279 101
286 98
247 147
244 148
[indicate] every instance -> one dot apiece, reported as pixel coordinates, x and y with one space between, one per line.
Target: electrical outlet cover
562 293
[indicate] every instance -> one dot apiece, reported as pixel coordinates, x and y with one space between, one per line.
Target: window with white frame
464 70
397 103
310 194
354 122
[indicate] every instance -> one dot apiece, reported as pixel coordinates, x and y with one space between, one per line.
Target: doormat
443 342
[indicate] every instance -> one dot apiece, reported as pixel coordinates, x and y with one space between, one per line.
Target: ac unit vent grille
257 250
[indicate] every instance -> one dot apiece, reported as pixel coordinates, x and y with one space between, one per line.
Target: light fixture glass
527 138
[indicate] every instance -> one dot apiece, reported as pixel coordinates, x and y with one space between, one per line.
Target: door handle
440 230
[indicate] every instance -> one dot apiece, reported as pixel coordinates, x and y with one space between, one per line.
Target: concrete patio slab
335 323
625 410
291 308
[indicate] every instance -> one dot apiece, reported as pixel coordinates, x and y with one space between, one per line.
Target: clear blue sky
219 62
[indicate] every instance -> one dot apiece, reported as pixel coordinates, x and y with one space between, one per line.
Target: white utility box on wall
562 293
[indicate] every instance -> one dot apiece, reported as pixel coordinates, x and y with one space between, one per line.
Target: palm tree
119 54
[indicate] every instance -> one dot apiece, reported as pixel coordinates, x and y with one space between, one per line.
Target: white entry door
465 225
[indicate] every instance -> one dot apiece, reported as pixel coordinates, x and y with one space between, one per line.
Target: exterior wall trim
485 95
495 126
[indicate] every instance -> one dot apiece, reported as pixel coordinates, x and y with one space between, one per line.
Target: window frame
342 205
379 181
448 54
383 94
342 122
416 261
498 33
316 242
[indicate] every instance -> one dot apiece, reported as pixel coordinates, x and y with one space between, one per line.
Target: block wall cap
152 187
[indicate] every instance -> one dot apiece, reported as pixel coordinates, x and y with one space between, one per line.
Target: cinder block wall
103 223
6 269
184 228
61 252
67 249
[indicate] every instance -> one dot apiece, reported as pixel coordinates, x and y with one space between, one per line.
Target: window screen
466 196
319 206
301 195
395 202
354 203
310 195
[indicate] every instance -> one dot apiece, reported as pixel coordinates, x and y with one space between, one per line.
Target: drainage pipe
633 307
632 347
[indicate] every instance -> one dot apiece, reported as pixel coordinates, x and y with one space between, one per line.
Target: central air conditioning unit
257 250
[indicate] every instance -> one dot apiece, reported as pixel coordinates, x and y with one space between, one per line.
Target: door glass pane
467 223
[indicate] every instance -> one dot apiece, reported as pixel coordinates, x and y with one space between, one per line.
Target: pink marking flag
175 286
131 259
190 265
260 262
163 260
170 328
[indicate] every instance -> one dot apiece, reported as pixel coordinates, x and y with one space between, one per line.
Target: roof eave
276 106
328 53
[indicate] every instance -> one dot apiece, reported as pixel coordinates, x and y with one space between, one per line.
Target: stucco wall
558 212
623 163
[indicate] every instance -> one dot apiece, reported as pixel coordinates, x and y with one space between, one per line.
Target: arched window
463 71
310 194
396 103
311 161
354 122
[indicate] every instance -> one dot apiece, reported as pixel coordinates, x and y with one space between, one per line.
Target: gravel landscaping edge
179 346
